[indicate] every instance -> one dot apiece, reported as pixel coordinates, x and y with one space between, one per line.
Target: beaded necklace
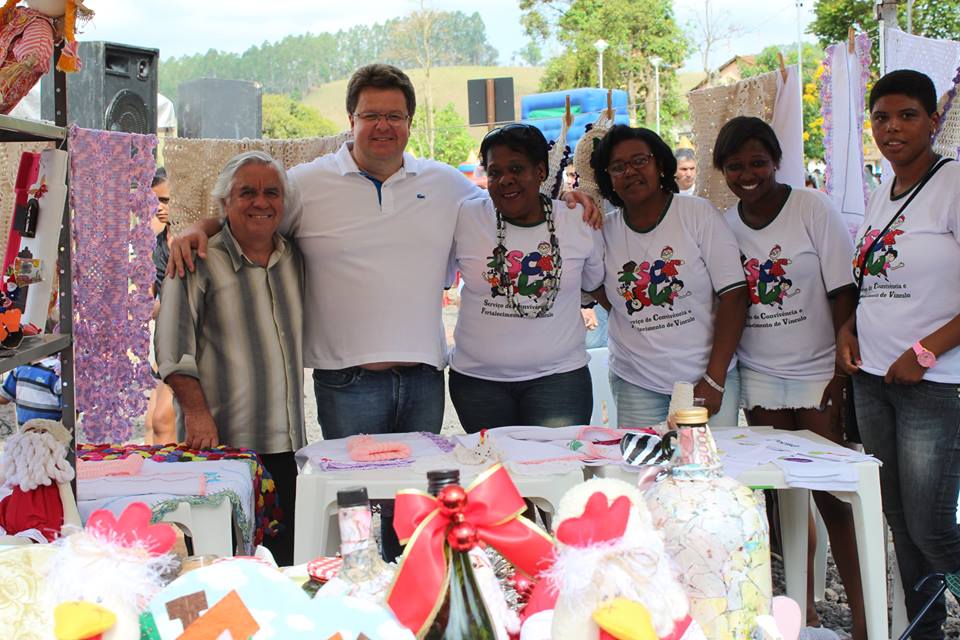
551 277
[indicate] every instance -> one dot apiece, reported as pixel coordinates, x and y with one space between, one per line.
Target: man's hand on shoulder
592 214
182 246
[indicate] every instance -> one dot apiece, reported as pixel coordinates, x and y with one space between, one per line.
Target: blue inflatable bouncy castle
545 111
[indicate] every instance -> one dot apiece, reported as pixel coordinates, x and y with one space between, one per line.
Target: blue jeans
557 400
915 432
398 400
639 407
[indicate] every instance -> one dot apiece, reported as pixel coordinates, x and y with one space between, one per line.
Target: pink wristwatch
925 357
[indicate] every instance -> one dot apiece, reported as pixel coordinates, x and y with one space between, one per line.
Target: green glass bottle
463 614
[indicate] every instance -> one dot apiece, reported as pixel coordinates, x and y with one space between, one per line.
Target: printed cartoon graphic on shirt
876 256
657 285
528 276
767 281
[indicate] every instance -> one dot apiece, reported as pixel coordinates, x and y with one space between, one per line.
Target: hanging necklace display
551 277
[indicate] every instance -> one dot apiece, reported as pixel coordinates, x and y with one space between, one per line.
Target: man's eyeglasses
372 117
637 162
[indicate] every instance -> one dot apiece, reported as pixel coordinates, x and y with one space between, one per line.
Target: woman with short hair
901 346
519 356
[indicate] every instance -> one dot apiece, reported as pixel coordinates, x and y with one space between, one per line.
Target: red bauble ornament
452 499
522 585
462 537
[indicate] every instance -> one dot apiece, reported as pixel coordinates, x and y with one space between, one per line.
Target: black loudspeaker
215 108
504 110
115 90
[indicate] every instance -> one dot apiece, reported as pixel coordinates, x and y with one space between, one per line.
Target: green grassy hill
449 85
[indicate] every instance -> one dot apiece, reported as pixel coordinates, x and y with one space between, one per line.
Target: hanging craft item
111 333
585 146
558 158
843 86
31 259
27 38
710 109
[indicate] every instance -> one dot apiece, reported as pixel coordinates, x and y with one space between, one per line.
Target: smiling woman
669 259
519 354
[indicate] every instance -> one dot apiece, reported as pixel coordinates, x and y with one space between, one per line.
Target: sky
181 27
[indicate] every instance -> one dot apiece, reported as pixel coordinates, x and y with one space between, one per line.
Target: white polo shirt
375 266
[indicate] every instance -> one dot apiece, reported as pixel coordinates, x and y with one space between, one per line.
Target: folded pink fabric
367 449
90 469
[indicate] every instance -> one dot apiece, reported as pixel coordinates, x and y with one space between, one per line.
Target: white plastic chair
604 408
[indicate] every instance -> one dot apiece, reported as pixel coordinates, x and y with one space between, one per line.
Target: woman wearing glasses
674 284
519 357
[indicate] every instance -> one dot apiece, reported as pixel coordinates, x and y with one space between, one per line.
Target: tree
709 29
283 118
767 60
531 54
415 37
931 18
452 141
636 30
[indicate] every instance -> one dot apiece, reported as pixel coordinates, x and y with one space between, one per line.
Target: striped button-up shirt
237 328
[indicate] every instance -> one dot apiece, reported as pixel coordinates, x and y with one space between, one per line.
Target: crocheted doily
587 182
193 165
710 109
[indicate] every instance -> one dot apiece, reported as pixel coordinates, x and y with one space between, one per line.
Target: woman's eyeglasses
638 162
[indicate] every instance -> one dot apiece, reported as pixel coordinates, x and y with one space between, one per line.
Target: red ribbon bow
493 507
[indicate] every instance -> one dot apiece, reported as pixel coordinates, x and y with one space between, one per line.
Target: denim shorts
772 392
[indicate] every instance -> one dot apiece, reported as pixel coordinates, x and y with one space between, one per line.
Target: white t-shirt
791 265
375 269
911 285
662 286
491 341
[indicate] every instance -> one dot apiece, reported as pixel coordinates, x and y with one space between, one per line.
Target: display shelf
33 348
20 130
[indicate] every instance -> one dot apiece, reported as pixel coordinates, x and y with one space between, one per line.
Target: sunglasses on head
518 127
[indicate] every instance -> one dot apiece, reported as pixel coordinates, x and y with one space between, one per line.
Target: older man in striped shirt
229 335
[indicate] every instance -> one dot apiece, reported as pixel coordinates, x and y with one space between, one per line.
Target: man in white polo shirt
375 227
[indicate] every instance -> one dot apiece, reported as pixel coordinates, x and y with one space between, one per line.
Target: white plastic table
317 534
794 504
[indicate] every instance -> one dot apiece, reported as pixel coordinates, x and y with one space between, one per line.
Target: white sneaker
817 633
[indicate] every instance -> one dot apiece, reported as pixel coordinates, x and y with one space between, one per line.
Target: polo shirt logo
420 196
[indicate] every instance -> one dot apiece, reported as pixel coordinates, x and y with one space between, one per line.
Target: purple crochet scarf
110 175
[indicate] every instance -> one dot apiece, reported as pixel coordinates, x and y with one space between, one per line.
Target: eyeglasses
372 117
637 162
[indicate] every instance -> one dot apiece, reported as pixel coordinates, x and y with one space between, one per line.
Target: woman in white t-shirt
902 343
519 356
795 249
673 284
